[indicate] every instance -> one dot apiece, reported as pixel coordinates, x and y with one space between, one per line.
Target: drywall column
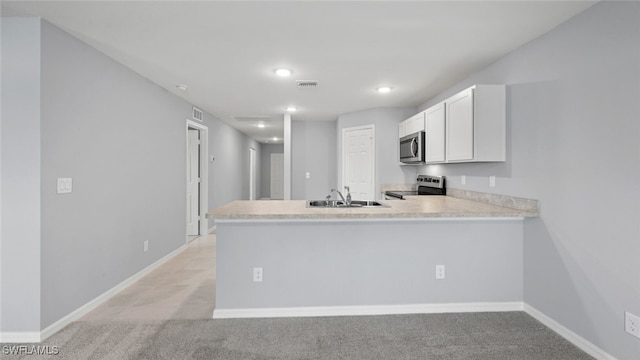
287 156
20 184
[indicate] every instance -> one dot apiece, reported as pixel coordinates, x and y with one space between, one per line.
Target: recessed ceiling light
260 124
283 72
291 108
384 89
182 87
275 138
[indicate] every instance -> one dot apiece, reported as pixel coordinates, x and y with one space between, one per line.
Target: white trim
204 170
577 340
20 337
367 310
211 230
104 297
374 180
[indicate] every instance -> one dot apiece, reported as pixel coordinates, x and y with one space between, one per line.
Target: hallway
181 288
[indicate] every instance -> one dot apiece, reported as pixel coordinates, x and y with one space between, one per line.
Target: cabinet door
435 128
414 124
459 141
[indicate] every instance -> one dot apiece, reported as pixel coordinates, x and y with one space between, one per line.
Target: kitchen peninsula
281 258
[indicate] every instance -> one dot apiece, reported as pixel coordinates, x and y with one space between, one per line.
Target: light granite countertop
413 208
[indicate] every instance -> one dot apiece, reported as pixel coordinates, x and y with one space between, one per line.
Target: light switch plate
65 185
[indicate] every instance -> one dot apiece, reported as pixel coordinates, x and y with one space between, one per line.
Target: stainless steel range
426 185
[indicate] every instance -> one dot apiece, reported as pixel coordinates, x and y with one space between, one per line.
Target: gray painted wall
265 166
229 172
122 140
313 150
573 130
20 176
386 120
351 263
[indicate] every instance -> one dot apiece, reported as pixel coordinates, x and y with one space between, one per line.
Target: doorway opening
197 179
277 177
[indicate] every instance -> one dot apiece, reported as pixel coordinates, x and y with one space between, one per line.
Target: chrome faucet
346 201
339 193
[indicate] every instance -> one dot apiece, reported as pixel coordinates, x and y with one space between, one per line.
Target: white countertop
413 208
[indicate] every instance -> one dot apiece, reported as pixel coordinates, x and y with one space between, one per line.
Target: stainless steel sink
368 203
325 203
341 204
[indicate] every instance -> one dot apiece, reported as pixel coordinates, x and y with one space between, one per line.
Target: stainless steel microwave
412 148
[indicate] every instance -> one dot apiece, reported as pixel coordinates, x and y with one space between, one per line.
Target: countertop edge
378 220
377 217
428 208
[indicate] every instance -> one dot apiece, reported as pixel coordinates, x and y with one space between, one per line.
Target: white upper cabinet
412 125
467 127
435 134
476 125
460 126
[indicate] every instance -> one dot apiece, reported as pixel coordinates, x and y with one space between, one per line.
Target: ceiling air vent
307 84
197 114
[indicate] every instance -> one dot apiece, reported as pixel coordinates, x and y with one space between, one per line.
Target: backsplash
397 187
493 199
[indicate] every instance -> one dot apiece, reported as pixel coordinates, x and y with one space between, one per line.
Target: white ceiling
226 51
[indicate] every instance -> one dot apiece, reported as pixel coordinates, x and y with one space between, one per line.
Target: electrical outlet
439 272
257 274
463 180
492 181
632 324
145 245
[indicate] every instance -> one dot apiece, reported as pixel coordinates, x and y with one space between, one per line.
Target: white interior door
277 176
252 174
193 182
358 158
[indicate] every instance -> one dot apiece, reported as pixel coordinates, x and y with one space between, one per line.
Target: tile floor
182 288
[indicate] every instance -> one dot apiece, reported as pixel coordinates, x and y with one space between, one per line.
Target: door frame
204 172
373 154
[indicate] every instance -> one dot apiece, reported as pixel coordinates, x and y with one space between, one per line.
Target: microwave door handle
414 149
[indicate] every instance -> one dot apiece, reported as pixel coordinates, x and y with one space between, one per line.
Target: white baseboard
366 310
19 337
104 297
577 340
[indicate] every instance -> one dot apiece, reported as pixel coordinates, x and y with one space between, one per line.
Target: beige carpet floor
167 315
